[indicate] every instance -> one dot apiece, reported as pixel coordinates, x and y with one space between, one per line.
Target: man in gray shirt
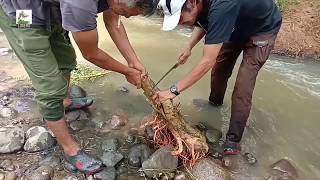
48 56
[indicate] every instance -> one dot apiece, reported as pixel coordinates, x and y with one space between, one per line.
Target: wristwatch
174 90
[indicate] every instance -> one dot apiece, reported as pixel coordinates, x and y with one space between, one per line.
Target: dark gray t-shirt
74 15
238 20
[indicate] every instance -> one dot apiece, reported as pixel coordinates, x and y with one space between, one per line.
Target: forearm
120 38
105 61
197 35
208 60
196 74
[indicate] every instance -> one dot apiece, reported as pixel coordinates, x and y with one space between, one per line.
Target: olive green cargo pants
48 57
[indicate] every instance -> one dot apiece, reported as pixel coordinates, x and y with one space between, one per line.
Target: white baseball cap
172 11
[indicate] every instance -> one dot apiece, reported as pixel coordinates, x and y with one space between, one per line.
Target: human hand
139 66
134 77
183 57
163 96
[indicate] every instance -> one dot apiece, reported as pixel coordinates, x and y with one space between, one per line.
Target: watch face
173 89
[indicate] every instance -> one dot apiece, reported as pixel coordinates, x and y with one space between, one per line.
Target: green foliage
283 4
86 73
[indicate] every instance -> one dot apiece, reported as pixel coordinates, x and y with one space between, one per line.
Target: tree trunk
171 129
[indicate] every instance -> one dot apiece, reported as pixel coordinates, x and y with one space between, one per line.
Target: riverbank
299 36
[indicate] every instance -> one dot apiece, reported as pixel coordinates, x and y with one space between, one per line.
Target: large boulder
209 169
282 169
160 161
38 139
11 139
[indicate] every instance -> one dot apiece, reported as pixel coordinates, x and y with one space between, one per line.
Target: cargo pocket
263 46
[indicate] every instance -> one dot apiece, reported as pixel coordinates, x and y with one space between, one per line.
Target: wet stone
250 158
106 174
11 176
11 139
53 161
77 92
7 112
110 159
159 162
213 135
42 173
149 132
132 139
7 165
78 125
282 169
181 176
208 169
38 139
73 116
138 154
110 145
117 122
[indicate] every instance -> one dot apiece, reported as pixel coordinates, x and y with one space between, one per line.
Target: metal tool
172 68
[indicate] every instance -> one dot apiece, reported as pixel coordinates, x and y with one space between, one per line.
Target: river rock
71 178
208 169
110 159
1 176
138 154
117 122
38 139
7 112
213 135
77 92
42 173
250 158
149 132
69 167
110 145
11 176
78 125
159 161
108 173
122 171
181 176
53 161
282 170
72 116
7 165
11 139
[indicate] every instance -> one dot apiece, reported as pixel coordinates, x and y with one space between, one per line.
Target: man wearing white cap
229 27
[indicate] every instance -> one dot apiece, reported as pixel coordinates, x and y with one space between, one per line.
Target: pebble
53 161
7 165
180 176
110 159
71 178
7 112
108 173
42 173
11 176
117 122
110 145
250 158
78 125
72 116
149 132
138 154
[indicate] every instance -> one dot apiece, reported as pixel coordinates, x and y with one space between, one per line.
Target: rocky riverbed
28 149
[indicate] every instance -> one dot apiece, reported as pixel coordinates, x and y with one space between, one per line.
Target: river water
284 121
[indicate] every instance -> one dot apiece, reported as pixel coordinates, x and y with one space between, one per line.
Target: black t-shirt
238 20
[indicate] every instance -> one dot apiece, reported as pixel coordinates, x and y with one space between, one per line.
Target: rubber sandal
79 103
85 163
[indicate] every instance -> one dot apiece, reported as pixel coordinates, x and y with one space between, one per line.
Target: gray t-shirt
74 15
